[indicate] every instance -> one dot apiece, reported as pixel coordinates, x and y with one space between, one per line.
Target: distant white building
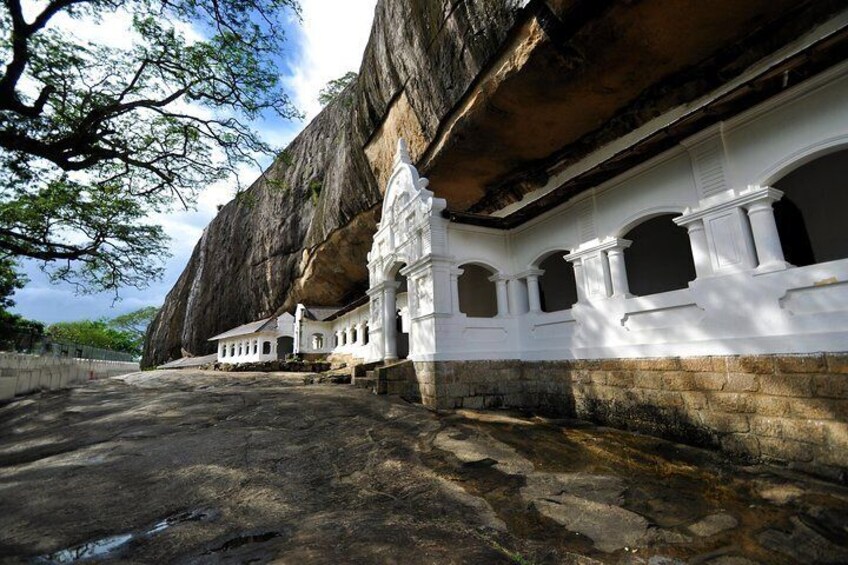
256 342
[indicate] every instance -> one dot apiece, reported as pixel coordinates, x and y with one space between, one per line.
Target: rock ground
196 467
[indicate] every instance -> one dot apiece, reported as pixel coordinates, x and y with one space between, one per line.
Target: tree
94 138
16 332
135 324
335 87
94 333
121 333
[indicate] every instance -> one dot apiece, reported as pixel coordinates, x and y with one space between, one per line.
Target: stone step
369 383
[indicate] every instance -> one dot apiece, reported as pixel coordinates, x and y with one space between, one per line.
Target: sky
328 42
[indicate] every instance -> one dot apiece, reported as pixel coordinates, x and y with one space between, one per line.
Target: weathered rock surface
495 97
301 232
198 466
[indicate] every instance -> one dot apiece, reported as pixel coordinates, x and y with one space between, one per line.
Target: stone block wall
783 408
399 379
23 374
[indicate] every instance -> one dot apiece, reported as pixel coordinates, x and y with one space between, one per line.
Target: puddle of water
110 545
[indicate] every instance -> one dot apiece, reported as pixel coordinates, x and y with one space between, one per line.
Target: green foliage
94 138
10 281
122 333
15 330
315 188
335 87
136 322
286 158
277 185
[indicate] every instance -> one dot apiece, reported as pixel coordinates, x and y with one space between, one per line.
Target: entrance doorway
397 303
285 347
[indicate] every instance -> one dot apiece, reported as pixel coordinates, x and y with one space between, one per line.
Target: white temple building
732 242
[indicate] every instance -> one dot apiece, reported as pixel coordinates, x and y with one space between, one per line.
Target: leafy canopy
95 138
122 333
335 87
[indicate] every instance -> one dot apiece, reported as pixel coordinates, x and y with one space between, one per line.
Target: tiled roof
266 325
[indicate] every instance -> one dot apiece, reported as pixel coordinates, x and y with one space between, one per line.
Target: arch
285 346
477 294
365 334
557 284
317 341
787 163
635 220
266 348
660 256
811 213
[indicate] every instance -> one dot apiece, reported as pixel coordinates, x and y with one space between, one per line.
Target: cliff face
495 97
301 232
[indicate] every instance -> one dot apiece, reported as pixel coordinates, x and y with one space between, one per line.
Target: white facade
345 334
256 342
744 297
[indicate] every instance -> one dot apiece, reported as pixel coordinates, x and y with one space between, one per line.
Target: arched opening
223 351
402 328
266 348
285 347
809 216
660 257
232 350
317 341
354 335
557 285
396 325
255 346
478 296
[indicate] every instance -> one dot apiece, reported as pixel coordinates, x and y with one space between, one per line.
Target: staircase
365 376
397 378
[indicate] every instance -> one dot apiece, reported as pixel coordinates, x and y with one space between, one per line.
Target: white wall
745 299
22 374
246 342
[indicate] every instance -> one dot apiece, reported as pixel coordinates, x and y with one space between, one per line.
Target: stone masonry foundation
790 409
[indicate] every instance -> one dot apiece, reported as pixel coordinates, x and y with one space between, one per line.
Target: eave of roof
258 326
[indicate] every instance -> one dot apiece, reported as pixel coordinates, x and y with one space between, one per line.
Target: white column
579 280
766 238
390 321
700 249
533 293
617 269
503 297
454 282
518 299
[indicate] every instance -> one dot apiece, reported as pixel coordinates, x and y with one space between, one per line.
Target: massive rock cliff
301 232
497 99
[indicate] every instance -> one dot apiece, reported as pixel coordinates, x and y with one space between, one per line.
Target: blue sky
328 43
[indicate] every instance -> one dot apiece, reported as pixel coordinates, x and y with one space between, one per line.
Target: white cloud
333 38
